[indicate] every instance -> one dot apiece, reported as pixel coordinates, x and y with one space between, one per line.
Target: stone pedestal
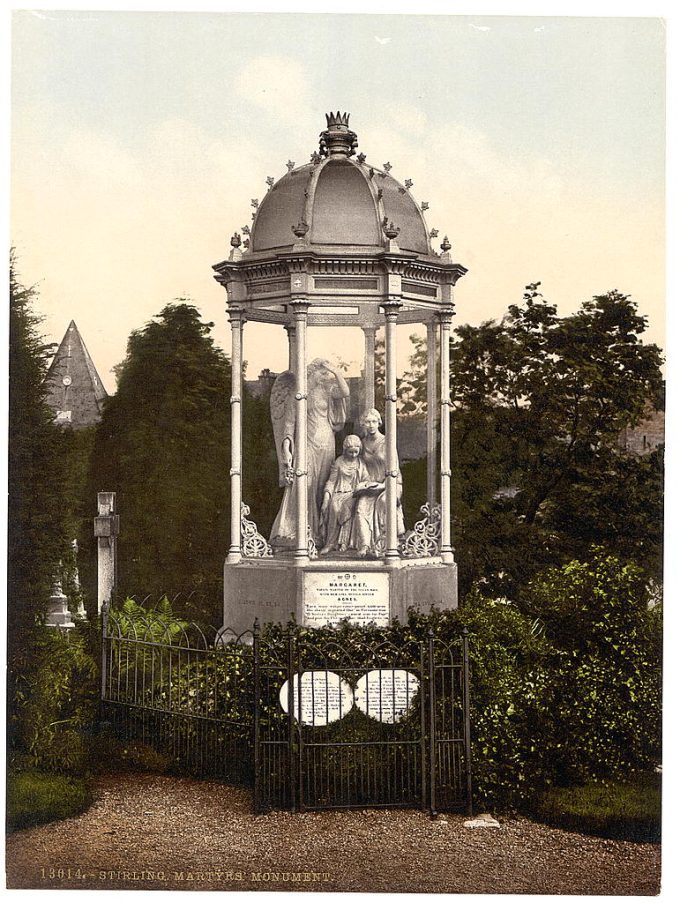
58 614
325 591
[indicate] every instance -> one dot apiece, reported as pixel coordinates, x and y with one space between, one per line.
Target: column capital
391 308
446 315
289 327
299 307
236 314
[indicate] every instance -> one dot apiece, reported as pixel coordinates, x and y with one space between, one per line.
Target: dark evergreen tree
37 470
163 445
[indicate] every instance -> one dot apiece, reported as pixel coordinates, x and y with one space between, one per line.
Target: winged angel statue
327 394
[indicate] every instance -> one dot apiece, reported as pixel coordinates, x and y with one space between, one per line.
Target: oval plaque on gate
386 694
325 697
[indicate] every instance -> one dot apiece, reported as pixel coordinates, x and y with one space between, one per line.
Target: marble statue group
345 495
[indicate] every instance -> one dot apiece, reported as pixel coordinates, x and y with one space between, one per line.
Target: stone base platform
326 590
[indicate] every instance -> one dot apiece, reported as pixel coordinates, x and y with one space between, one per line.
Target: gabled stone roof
75 390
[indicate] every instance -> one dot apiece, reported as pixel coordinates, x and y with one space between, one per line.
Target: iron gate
309 720
341 725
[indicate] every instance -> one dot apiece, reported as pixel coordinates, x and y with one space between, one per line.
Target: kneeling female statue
370 513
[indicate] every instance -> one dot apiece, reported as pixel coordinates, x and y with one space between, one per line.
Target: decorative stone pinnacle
245 230
235 240
300 230
387 166
338 139
409 183
446 244
371 173
380 194
391 231
434 233
290 165
270 181
316 158
246 243
361 158
424 206
254 203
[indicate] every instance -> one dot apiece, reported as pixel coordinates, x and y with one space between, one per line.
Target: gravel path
153 832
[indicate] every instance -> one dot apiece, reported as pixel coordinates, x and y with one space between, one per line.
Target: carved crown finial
391 231
335 119
338 139
235 240
446 244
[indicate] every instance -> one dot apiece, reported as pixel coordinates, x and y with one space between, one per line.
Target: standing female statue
370 515
327 394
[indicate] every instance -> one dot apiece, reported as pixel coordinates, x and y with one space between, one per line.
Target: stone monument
340 242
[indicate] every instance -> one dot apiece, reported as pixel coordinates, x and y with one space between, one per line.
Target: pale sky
138 140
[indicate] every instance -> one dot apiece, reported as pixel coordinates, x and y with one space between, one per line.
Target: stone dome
340 200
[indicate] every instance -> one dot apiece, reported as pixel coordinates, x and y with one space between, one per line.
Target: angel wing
282 407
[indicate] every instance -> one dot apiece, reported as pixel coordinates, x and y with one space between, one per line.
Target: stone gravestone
325 697
386 694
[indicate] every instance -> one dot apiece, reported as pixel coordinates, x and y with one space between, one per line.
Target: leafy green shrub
604 691
34 797
55 697
158 624
624 811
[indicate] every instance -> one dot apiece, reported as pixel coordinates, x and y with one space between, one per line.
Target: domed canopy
343 237
337 200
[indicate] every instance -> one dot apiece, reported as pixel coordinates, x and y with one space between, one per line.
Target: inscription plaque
386 694
357 596
325 697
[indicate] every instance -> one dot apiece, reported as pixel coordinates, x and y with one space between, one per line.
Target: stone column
391 309
236 321
290 329
300 308
369 366
431 412
106 526
445 318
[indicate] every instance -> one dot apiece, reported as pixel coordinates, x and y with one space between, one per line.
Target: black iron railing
310 722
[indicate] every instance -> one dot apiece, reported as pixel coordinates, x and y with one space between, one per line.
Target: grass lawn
623 811
36 797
